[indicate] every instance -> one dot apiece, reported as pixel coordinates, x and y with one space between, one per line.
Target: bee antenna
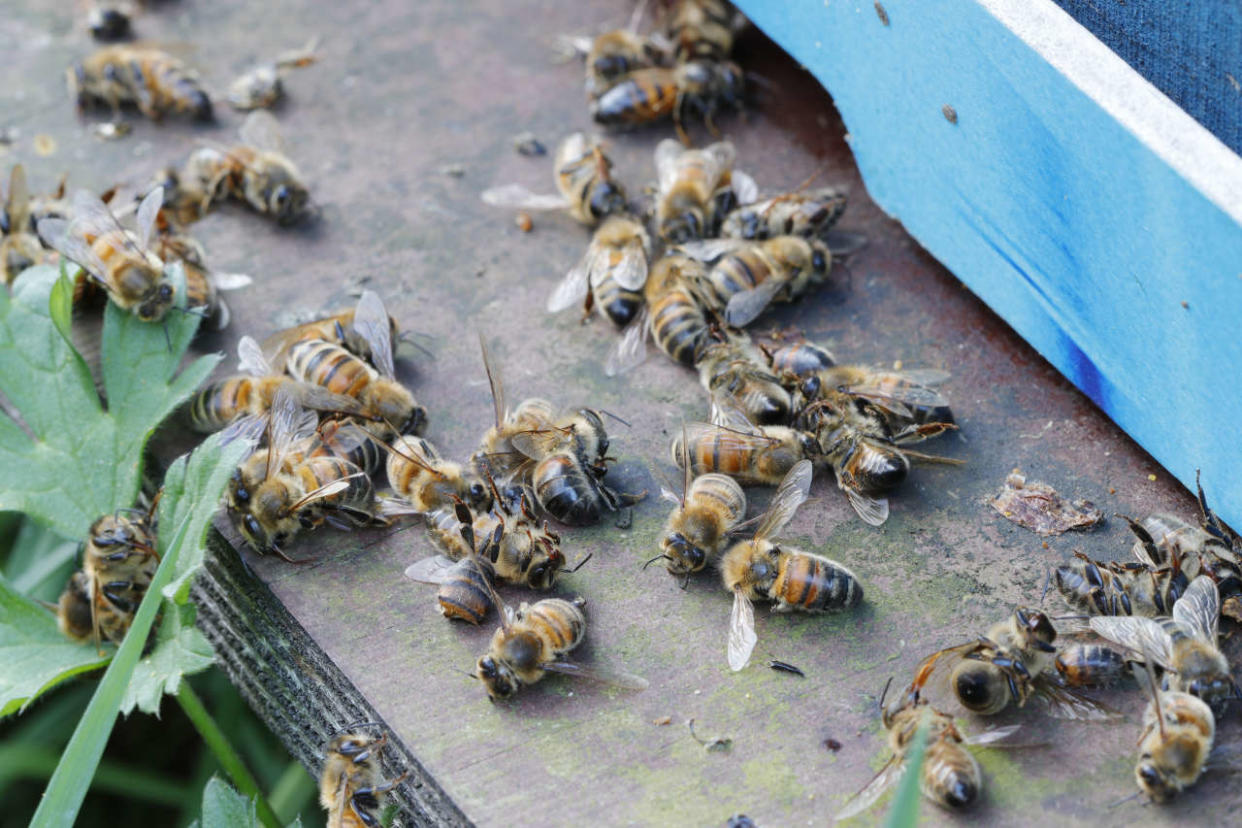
656 558
1047 583
1125 799
580 563
615 417
685 582
884 694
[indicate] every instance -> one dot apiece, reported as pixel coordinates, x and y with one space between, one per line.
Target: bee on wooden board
1178 733
202 286
1185 646
334 367
1011 664
752 455
534 640
807 214
672 314
467 585
20 247
1090 664
760 569
351 787
735 373
611 274
119 260
586 188
905 397
797 360
696 188
496 456
257 172
950 774
649 95
337 328
702 29
143 76
425 481
262 86
1119 588
616 54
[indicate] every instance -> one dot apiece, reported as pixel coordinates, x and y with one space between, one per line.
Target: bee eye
165 292
281 198
696 556
252 526
242 494
817 261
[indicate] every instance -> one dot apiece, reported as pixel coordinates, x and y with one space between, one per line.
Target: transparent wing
908 394
147 212
718 158
742 638
845 244
1199 609
573 288
539 443
992 736
371 323
631 348
333 488
249 428
290 425
321 399
517 197
57 233
879 785
792 493
434 570
91 215
667 154
1066 703
873 510
261 131
250 359
745 307
709 250
604 675
744 187
629 265
230 281
494 382
1142 635
667 494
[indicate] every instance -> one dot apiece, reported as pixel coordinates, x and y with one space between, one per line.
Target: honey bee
584 180
496 456
751 455
351 788
735 373
950 775
1177 737
202 286
1085 664
1185 646
150 79
615 54
745 277
648 95
672 314
799 359
696 188
425 481
807 214
337 328
336 368
467 585
611 274
110 20
709 508
294 494
262 86
701 29
244 399
533 641
19 245
1116 588
74 610
870 458
760 569
120 261
1008 665
904 397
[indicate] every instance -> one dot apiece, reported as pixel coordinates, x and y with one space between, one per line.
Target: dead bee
20 247
611 275
148 78
1085 664
701 29
735 373
261 87
496 456
807 214
672 314
202 286
752 455
587 190
109 20
351 788
696 188
649 95
906 396
615 54
793 361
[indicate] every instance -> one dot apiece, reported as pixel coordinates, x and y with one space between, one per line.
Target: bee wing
538 443
230 281
573 288
17 203
709 250
909 394
719 159
667 154
1143 635
321 399
1199 609
58 233
290 424
1067 703
250 359
744 187
147 212
742 638
371 323
604 675
631 348
629 265
992 735
873 510
844 244
261 131
727 412
434 570
860 802
517 197
494 382
745 307
791 494
249 428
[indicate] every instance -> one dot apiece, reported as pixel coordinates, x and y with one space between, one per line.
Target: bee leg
709 120
588 304
678 112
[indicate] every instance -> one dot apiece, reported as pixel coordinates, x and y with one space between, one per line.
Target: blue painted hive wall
1065 223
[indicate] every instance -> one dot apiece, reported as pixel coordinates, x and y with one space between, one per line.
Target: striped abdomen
717 494
801 359
814 584
869 466
349 441
1090 665
330 365
679 325
162 83
467 592
220 403
748 458
737 272
559 623
645 95
357 498
1119 588
566 491
951 775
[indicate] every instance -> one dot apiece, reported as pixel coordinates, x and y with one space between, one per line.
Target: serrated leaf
72 438
180 650
224 807
34 654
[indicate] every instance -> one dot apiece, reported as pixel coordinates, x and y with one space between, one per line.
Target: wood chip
662 721
1037 506
523 222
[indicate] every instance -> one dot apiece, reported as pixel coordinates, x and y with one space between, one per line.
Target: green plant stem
292 792
30 762
224 753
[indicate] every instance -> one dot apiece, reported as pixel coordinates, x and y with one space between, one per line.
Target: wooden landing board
1100 221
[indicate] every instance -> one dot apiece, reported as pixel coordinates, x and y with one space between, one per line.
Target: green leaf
224 807
67 437
180 650
904 812
182 527
40 561
34 654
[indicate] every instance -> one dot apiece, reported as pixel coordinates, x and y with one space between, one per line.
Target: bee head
108 23
685 226
252 531
1216 691
287 202
156 302
821 258
1037 627
607 198
543 574
496 677
683 556
1157 782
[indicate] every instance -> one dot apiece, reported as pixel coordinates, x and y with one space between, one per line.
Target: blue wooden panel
1190 49
1105 259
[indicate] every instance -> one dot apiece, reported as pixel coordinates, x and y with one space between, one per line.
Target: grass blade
904 812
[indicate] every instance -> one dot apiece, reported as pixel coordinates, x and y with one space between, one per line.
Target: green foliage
224 807
76 459
180 650
904 812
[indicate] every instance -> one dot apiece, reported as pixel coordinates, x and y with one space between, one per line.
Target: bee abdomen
679 326
816 584
643 96
951 775
330 365
217 404
566 492
560 623
619 304
1090 665
467 594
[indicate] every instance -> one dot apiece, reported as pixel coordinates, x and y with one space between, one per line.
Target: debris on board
1038 507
